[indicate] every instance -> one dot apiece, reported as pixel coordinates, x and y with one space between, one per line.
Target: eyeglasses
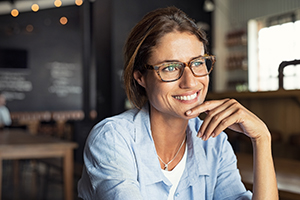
172 71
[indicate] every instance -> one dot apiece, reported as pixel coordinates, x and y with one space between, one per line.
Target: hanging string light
78 2
57 3
35 7
14 12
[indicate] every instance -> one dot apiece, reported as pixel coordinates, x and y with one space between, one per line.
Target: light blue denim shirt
121 163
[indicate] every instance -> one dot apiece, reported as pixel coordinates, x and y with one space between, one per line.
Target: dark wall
52 79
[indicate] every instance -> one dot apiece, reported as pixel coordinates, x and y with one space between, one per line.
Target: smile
186 98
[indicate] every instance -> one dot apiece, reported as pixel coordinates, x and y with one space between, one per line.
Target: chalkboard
52 78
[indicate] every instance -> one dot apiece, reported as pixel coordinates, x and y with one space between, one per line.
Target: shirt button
177 194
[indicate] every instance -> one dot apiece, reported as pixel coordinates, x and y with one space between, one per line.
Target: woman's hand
228 113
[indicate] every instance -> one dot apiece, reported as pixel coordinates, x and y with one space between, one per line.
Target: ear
140 78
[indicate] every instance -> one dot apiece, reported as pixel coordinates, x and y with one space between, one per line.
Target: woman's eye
198 63
170 68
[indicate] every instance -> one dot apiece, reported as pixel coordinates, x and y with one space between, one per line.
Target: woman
154 151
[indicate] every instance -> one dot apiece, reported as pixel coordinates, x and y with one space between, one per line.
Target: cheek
158 92
151 87
205 82
154 91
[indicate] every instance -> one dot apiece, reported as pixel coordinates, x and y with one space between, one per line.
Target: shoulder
111 139
117 124
121 127
4 109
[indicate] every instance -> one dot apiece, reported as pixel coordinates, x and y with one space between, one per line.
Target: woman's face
167 98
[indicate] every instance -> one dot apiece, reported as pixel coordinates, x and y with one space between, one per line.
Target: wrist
262 140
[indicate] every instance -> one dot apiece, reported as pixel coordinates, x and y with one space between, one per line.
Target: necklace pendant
166 167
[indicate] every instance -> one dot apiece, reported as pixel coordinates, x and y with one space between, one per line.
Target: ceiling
25 5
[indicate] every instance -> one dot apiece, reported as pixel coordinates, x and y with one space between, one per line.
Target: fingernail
188 112
199 135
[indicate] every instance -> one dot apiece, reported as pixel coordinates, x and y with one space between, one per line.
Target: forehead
181 46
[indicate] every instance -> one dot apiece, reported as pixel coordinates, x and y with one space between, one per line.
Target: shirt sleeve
5 116
110 168
229 185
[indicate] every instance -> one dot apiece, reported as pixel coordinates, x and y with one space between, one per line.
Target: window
268 47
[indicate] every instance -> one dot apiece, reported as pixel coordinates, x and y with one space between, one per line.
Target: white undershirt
175 175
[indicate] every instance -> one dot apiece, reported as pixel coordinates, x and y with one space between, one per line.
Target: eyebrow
176 60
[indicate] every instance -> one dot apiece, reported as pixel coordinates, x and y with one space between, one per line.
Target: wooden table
287 174
18 144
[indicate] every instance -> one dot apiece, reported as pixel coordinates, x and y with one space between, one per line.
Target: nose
188 80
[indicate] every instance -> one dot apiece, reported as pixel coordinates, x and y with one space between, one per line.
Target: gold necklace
167 164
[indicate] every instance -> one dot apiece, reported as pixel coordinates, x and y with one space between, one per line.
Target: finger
213 118
234 118
206 106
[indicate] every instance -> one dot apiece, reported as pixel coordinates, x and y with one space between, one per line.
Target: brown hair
143 37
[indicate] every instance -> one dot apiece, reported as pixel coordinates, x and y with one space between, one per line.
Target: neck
168 134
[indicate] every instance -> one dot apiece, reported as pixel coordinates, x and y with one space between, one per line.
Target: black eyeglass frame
206 56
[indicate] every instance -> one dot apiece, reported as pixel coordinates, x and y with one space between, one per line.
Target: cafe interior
61 72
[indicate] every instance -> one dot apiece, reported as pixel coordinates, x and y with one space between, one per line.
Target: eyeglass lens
173 71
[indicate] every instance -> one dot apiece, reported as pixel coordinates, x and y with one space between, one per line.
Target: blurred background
61 65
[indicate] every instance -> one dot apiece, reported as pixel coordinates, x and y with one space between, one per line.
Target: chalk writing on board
15 85
14 82
63 79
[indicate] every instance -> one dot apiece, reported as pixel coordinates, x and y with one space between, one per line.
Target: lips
186 98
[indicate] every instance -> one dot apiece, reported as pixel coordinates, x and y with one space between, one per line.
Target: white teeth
185 98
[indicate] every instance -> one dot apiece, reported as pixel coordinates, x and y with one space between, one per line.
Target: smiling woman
154 151
174 97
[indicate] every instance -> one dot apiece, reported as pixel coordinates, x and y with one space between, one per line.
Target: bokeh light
63 20
29 28
14 12
57 3
35 7
78 2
